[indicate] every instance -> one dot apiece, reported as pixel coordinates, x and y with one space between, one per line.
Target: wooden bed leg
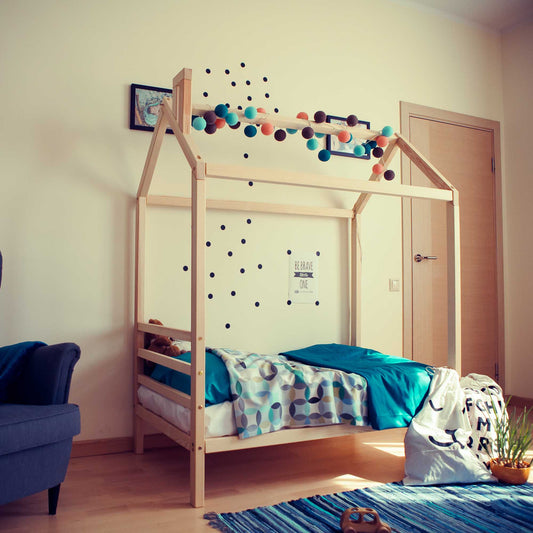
197 476
138 436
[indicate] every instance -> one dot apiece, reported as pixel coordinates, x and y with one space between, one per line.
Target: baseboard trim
88 448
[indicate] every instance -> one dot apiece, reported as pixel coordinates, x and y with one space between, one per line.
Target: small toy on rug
360 525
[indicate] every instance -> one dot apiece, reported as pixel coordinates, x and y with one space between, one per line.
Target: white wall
518 116
71 166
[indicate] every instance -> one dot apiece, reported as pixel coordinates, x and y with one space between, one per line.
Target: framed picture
345 149
144 106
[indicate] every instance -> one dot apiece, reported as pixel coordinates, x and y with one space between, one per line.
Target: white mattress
219 419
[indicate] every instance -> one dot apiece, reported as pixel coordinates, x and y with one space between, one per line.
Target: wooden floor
143 493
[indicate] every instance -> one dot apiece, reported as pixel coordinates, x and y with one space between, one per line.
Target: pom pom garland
320 116
387 131
220 123
267 128
382 141
324 155
221 110
210 129
319 135
291 131
199 123
378 168
210 117
235 126
261 110
312 144
359 150
250 131
250 112
280 135
232 119
377 152
352 120
372 144
303 115
389 175
308 132
343 136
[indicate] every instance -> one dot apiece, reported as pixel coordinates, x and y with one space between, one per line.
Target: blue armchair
37 423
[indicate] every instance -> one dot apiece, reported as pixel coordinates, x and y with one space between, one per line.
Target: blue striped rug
491 508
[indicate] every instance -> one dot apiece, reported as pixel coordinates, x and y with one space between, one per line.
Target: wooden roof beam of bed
320 181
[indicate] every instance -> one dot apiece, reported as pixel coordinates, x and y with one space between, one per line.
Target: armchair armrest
46 376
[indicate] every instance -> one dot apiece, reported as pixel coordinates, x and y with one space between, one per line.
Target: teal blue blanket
397 387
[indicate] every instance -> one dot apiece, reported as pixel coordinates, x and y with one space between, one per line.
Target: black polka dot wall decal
208 70
211 274
227 105
276 110
243 65
233 293
251 183
210 296
248 82
259 266
249 98
233 84
257 304
206 94
222 227
243 241
239 107
185 268
317 303
228 326
208 244
248 221
242 271
267 95
318 253
227 71
265 79
289 302
289 252
245 156
230 253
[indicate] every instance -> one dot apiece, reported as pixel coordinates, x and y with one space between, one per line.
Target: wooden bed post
356 263
454 283
197 453
182 99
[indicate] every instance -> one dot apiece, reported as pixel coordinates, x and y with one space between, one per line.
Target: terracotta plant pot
508 474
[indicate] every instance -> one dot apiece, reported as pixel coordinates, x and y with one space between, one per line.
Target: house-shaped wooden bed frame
177 114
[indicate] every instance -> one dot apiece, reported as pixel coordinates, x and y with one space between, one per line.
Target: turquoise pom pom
199 123
319 135
387 131
359 150
250 112
221 110
250 131
232 119
324 155
312 144
291 131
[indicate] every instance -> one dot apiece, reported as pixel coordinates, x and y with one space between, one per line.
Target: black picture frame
144 100
335 147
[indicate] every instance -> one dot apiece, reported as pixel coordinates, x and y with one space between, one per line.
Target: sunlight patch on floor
393 448
351 482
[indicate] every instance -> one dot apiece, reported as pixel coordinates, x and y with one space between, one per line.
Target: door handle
419 258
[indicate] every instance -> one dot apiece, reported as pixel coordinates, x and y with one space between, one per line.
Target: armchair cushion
29 426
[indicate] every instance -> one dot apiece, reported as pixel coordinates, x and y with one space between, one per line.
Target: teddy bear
160 343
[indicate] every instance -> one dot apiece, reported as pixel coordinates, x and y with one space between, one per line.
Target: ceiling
498 15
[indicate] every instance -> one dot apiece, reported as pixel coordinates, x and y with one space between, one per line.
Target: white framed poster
303 278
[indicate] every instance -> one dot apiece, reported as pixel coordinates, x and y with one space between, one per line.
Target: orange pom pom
382 141
220 122
267 128
302 114
343 136
378 169
261 110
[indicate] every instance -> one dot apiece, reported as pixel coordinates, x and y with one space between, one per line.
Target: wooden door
465 154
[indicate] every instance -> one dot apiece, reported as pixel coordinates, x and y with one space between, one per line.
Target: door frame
407 111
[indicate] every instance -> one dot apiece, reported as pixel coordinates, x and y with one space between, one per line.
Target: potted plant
514 437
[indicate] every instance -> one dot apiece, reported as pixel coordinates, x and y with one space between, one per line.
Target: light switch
394 285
